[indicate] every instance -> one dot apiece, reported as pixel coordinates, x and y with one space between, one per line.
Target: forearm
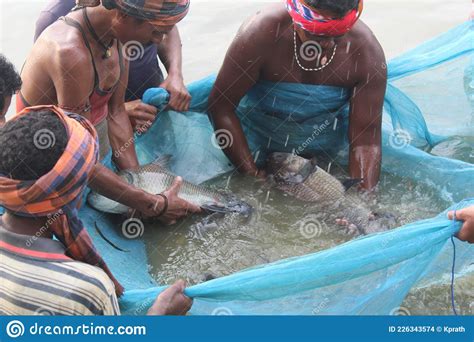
364 163
232 139
170 52
122 140
108 184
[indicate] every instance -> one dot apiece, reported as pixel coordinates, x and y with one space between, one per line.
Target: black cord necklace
107 48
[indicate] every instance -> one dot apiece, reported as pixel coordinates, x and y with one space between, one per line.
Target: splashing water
283 227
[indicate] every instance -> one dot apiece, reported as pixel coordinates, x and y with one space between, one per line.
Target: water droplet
348 47
268 196
257 154
269 142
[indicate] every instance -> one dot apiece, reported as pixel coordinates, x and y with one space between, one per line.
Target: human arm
170 52
122 140
54 9
240 71
467 216
365 123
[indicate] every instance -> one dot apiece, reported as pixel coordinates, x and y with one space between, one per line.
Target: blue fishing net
430 99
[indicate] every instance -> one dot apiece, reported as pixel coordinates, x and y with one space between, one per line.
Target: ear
5 105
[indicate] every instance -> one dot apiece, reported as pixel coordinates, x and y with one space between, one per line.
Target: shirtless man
78 64
144 70
350 57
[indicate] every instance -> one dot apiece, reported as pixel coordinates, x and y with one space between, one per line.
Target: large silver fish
155 178
303 179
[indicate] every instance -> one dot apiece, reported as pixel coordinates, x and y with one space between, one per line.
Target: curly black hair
10 81
338 7
31 145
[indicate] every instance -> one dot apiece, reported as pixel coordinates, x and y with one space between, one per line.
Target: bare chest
308 63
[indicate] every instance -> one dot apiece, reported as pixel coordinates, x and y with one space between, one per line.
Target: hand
172 301
141 115
179 95
177 207
260 174
152 205
467 230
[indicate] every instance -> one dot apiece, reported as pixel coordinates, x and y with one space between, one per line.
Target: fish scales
155 179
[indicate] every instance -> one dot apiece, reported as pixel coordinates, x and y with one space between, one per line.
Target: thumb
181 285
176 186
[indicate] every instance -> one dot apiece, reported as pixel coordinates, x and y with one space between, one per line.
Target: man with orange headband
78 64
321 45
41 186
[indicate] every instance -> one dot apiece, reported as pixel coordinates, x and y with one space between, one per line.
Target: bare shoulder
63 48
370 55
265 27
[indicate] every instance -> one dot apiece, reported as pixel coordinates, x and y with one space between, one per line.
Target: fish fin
163 161
160 164
351 182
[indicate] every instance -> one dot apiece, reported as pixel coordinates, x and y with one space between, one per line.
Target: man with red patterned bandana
270 48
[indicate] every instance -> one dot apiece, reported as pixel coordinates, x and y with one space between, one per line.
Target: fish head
287 168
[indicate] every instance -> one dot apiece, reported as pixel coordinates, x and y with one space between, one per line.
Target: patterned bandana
157 12
311 21
61 189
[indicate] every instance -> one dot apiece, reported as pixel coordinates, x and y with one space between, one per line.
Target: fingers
192 208
147 109
179 100
144 116
460 215
463 235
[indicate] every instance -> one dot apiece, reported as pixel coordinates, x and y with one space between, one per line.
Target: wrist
156 310
156 204
175 73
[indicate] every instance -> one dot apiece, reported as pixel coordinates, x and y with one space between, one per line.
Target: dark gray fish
303 179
